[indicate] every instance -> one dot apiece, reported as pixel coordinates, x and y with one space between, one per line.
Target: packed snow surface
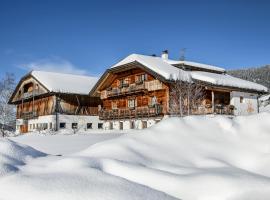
68 83
193 158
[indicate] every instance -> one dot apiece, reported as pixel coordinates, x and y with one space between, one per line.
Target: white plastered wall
68 119
249 104
138 123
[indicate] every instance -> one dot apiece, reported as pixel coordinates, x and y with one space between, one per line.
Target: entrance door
121 125
144 124
24 128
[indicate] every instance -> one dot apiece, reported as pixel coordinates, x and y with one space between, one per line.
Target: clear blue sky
89 36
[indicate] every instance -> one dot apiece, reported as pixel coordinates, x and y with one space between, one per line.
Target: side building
54 101
137 91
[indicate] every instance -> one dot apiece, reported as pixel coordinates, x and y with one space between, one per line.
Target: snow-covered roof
226 80
195 64
65 83
166 68
157 65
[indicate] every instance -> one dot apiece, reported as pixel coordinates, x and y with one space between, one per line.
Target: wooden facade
33 100
134 93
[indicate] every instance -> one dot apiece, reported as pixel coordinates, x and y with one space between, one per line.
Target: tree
185 97
7 112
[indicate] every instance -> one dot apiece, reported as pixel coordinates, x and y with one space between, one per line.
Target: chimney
165 54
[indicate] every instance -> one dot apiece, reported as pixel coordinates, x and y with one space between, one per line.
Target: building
53 101
136 92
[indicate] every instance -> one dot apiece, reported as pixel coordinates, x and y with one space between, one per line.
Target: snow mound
192 158
13 155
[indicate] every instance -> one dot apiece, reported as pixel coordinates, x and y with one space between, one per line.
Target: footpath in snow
194 158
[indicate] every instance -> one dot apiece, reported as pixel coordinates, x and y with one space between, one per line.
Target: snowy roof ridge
196 64
65 83
157 65
166 69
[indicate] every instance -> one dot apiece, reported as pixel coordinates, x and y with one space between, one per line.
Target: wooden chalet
135 92
48 100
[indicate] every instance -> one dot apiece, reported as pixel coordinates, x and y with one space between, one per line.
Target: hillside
259 75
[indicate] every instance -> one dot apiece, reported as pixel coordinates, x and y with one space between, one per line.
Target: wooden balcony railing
218 109
30 94
28 115
126 113
132 88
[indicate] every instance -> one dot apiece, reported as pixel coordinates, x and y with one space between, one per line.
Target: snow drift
193 158
13 155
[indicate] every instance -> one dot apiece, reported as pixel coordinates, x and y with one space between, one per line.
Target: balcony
127 113
28 115
27 95
132 88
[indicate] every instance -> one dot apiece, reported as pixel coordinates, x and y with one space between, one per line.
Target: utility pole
182 54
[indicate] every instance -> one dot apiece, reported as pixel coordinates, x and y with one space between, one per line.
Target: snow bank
193 158
13 155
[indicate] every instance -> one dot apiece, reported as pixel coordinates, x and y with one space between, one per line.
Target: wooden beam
213 101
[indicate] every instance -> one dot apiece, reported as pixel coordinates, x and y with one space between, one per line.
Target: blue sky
86 37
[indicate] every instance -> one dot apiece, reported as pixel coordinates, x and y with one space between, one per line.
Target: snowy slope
68 83
194 158
13 155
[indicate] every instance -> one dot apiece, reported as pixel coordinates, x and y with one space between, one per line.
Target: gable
26 88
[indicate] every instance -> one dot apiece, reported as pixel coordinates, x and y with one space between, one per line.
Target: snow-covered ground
194 158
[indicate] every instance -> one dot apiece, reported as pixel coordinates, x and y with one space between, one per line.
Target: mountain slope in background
259 75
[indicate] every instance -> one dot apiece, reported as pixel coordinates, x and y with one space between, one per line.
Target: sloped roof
157 65
167 69
65 83
226 80
197 65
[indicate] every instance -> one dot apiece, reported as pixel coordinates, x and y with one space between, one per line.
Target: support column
213 101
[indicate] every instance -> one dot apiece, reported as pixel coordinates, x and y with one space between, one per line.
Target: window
123 82
50 125
131 103
153 101
141 78
30 126
114 105
132 125
74 125
89 125
62 125
34 126
100 125
241 99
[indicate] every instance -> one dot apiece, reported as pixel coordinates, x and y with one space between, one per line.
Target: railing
28 115
30 94
132 88
131 113
218 109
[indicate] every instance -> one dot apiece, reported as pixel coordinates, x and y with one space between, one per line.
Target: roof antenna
182 54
